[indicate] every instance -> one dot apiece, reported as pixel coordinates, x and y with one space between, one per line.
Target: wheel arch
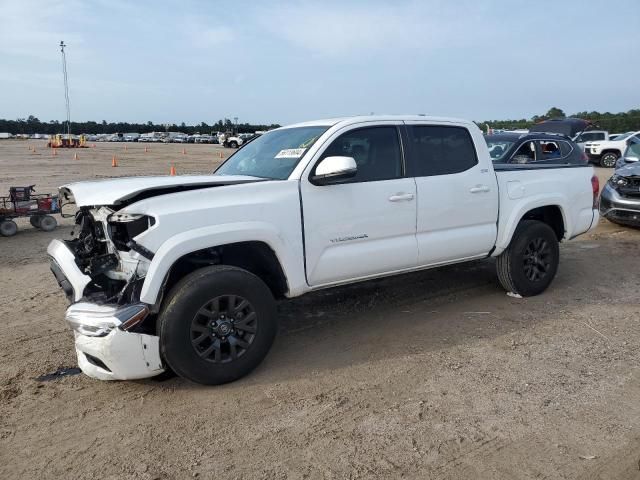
552 213
611 150
261 251
256 257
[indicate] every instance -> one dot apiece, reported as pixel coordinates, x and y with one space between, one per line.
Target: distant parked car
230 140
131 137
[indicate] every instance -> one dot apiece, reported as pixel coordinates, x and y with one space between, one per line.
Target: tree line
612 122
31 125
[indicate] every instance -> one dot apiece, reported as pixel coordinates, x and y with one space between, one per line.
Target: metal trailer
23 202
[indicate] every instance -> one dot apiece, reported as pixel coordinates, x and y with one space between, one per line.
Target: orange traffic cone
146 149
34 150
172 172
125 148
114 162
184 151
55 152
75 156
220 154
93 145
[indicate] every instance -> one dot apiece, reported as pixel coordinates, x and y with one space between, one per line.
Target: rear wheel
48 223
8 228
527 267
609 159
217 324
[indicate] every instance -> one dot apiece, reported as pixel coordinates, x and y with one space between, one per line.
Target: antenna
66 88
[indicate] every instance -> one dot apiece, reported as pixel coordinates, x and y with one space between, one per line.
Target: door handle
480 189
399 197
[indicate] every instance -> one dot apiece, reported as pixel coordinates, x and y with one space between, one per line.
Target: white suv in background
606 153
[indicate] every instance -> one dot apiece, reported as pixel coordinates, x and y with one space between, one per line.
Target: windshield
623 136
274 154
498 148
633 150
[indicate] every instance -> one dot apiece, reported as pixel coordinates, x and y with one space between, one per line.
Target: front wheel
527 267
609 160
233 144
217 325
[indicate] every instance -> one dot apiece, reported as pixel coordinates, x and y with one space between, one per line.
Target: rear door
457 193
365 226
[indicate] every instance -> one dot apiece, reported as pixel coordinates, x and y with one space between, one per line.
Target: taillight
595 188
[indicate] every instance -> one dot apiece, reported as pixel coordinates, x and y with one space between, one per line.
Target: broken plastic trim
136 247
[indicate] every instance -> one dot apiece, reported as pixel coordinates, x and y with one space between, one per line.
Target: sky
283 62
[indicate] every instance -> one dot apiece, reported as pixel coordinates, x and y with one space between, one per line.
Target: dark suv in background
534 147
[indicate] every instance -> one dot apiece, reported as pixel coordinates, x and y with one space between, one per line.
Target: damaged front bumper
618 208
107 351
106 347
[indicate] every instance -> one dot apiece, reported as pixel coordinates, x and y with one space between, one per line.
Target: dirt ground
436 374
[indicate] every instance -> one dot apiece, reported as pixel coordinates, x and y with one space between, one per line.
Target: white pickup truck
183 273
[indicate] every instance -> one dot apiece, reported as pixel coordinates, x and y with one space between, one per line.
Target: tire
609 159
35 221
48 223
200 330
233 144
517 265
8 228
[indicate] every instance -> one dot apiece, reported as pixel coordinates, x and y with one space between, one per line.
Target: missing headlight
125 227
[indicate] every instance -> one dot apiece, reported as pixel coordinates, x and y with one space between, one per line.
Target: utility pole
66 88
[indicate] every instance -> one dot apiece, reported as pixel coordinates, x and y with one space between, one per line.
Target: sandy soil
437 374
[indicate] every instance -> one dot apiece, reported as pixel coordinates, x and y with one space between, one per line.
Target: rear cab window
439 150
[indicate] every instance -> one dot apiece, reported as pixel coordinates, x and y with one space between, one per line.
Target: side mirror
334 170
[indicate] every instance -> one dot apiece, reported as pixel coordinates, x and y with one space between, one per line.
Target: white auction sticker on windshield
290 153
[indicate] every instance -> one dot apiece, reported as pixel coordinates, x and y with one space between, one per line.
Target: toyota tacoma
183 273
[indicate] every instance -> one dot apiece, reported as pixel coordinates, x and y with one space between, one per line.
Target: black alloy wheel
537 259
224 328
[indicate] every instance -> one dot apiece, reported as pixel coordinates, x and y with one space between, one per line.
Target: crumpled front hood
116 191
629 170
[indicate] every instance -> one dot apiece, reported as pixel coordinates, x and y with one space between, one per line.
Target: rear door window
439 150
549 150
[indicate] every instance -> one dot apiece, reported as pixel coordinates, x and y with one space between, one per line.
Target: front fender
190 241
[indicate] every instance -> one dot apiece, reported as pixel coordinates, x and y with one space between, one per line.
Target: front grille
631 189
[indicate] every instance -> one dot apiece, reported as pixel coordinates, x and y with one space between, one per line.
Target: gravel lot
436 374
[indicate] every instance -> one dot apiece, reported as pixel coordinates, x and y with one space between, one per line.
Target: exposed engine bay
105 251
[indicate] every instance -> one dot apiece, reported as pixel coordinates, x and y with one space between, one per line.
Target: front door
365 227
